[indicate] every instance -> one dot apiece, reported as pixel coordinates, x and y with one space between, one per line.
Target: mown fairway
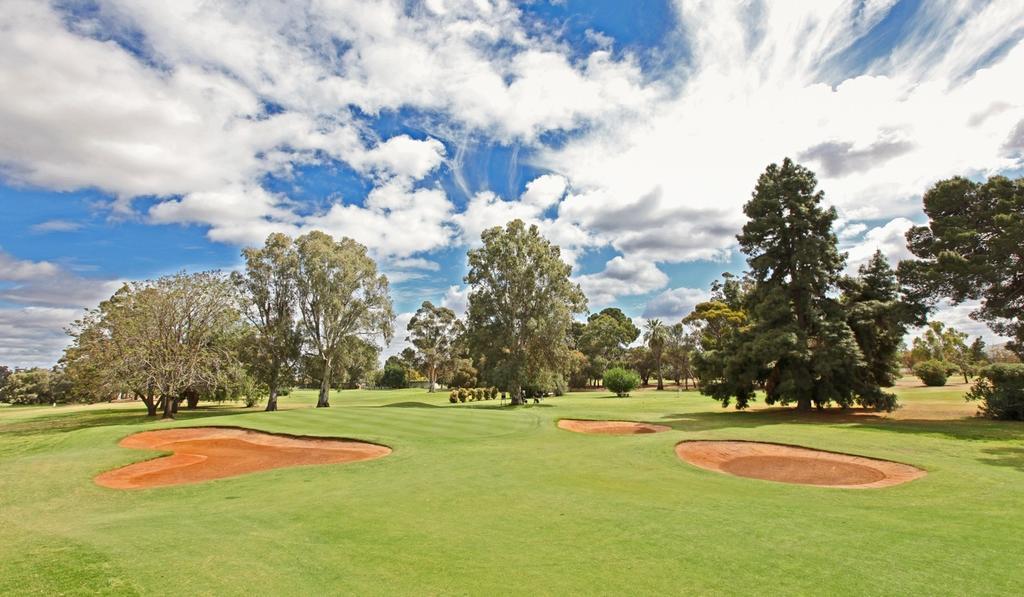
478 499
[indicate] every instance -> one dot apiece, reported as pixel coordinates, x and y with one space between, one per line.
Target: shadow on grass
1011 457
966 428
73 421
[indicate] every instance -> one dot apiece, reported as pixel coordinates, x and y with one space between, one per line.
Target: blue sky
144 138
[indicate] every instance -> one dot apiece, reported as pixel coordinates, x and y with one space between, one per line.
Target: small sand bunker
792 464
610 427
205 453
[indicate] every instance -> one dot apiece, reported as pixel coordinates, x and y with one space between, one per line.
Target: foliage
463 374
971 250
655 337
340 295
267 295
879 317
1000 388
393 377
167 338
680 345
947 344
796 343
932 372
521 303
604 338
434 332
640 359
621 381
33 386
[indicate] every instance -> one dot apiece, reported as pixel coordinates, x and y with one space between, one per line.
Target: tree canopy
973 248
340 294
434 332
521 303
796 342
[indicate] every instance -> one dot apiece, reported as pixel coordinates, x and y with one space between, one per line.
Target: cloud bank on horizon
631 141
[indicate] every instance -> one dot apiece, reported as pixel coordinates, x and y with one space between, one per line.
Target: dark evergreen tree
797 344
973 249
879 317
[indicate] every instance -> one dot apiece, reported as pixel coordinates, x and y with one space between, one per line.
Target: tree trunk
191 399
661 379
433 378
517 395
170 407
272 401
150 405
804 405
324 400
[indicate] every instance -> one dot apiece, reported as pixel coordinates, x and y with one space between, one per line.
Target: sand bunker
792 464
610 427
205 453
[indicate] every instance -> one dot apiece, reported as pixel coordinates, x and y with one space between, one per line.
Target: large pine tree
797 343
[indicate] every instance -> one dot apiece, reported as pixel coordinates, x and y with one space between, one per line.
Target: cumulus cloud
675 303
42 299
33 336
17 270
668 184
456 298
890 239
620 277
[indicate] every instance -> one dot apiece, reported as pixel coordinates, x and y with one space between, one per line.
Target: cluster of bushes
932 373
472 394
1000 388
621 381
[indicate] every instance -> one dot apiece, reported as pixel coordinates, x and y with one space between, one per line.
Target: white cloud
544 191
621 276
668 183
457 299
403 156
33 336
45 298
16 270
56 226
890 239
675 303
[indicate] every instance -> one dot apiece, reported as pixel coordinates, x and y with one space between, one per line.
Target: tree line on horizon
311 310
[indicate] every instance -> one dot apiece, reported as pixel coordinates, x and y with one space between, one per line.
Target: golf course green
477 498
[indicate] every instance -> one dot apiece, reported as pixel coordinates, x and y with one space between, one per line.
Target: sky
143 138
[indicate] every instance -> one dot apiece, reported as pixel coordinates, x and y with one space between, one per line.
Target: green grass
477 499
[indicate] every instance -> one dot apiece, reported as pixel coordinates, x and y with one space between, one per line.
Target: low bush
1000 388
621 381
453 397
931 373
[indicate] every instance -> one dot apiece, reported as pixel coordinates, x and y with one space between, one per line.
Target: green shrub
463 394
393 377
621 381
1000 388
932 373
453 397
492 393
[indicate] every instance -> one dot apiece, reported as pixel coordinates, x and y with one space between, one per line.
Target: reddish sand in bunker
610 427
205 453
792 464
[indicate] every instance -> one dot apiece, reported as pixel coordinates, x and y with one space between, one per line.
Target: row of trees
310 307
794 326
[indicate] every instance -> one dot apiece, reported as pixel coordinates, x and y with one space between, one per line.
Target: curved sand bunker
792 464
205 453
610 427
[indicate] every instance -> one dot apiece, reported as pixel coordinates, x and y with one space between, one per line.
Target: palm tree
655 335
